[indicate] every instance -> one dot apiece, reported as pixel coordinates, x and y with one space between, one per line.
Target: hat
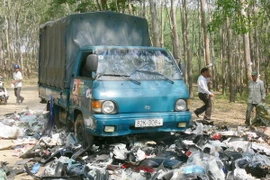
16 66
254 73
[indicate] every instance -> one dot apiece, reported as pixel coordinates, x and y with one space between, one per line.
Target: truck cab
126 90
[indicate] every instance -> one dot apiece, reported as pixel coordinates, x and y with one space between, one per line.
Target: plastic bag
9 132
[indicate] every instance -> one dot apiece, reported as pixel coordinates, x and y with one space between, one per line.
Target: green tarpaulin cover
61 40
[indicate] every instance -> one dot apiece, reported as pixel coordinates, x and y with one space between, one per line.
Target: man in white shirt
17 81
204 94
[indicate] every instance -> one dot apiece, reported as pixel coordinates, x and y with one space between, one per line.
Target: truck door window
83 70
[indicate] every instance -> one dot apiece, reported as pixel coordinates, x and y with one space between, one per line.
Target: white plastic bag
9 132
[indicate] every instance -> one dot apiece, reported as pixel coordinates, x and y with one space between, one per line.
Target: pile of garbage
26 123
203 151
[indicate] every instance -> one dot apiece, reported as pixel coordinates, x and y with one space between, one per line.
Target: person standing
256 94
204 94
17 81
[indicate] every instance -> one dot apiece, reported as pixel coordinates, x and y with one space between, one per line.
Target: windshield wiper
115 75
156 73
119 75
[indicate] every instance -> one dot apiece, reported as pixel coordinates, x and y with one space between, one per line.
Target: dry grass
224 112
31 81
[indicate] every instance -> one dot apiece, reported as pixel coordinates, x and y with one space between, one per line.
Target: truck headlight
104 106
180 105
108 107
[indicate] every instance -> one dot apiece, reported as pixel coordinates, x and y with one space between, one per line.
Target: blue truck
106 79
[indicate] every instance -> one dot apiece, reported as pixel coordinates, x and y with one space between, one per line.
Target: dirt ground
29 92
223 112
231 114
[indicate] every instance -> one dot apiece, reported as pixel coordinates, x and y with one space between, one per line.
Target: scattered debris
203 151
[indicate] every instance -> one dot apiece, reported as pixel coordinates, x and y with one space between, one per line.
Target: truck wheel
81 133
70 126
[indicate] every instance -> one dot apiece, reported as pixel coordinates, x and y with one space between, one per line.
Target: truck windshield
139 64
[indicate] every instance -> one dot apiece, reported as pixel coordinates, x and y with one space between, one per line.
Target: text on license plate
149 122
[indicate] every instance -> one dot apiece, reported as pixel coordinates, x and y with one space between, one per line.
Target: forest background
232 37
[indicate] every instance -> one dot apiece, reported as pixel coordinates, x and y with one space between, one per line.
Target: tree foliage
231 9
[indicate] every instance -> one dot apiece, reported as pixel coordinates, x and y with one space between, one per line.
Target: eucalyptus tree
154 20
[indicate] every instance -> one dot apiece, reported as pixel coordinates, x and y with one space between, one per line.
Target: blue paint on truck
112 88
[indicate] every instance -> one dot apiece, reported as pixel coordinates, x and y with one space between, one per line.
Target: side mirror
91 62
182 67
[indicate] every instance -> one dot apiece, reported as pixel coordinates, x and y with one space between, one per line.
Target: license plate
149 122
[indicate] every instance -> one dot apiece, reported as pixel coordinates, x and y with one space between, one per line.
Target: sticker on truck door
88 93
76 87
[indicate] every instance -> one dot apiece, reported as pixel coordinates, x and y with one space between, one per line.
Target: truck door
81 87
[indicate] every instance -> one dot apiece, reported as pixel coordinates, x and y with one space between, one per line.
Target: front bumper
125 123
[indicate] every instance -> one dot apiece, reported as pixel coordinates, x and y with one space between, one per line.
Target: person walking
17 82
204 94
256 94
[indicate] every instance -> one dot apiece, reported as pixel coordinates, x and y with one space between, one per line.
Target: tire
70 126
83 136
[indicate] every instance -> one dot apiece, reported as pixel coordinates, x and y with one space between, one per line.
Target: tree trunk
7 31
247 57
230 64
175 38
257 52
17 38
266 76
222 59
183 23
205 35
246 48
215 71
130 8
98 5
200 48
188 51
240 67
155 29
162 24
104 4
1 54
117 6
144 8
